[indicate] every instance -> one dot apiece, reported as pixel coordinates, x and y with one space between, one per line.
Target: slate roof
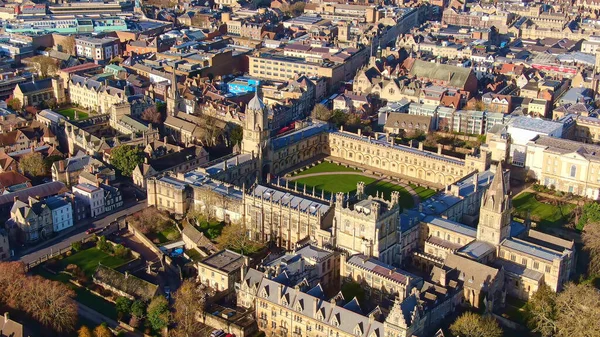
129 284
343 318
225 260
290 200
451 226
441 72
377 267
565 146
43 190
531 249
518 269
473 273
37 85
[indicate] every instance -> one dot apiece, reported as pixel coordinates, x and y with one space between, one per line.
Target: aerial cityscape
300 168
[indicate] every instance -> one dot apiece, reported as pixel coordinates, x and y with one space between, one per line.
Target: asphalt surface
77 233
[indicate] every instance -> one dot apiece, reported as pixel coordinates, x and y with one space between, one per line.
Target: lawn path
413 194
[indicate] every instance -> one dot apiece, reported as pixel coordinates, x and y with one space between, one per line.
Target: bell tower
494 214
256 127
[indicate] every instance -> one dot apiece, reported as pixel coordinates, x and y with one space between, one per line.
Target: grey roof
225 260
230 162
476 249
43 190
534 124
531 249
564 146
477 275
295 202
55 117
451 226
255 103
37 85
382 269
126 283
305 304
518 269
440 71
56 202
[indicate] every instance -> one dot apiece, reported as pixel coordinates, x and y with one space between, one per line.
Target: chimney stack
61 165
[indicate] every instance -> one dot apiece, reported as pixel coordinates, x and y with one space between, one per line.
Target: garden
70 113
155 225
545 211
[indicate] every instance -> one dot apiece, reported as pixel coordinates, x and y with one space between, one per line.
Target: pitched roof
36 85
458 76
43 190
11 178
472 273
126 283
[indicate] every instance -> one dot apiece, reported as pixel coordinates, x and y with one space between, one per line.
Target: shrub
103 245
173 236
121 251
76 246
69 253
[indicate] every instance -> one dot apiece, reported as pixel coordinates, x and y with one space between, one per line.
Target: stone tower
173 98
256 127
494 213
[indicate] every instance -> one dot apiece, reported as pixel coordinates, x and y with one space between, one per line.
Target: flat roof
225 260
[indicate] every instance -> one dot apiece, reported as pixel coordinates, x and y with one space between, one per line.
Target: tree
51 303
339 118
102 330
84 331
15 104
321 113
158 313
152 115
189 300
589 213
478 105
541 311
235 237
210 126
591 245
67 45
138 309
33 164
297 8
44 65
471 324
48 161
126 158
123 306
236 134
578 312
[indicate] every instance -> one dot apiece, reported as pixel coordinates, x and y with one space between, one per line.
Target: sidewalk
97 318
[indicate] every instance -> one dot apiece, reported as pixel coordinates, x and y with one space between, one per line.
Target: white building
93 196
62 213
523 129
98 49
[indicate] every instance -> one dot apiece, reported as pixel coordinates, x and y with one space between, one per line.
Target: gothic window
573 171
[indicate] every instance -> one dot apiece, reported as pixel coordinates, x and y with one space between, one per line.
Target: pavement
77 233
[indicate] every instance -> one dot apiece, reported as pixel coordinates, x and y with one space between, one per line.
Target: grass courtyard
327 167
70 113
541 211
89 259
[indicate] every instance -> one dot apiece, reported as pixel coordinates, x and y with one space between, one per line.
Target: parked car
217 333
91 230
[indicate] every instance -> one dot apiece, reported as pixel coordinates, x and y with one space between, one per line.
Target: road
77 233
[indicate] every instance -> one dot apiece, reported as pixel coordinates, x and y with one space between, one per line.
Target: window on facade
573 171
548 268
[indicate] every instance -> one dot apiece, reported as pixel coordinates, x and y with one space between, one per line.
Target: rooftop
225 260
451 226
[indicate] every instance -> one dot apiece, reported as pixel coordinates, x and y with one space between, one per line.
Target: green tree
76 246
471 324
123 306
126 158
138 309
15 104
236 134
541 311
339 118
158 313
590 213
103 245
33 164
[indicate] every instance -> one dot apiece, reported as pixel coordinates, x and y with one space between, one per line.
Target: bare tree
541 311
44 65
211 127
321 112
51 303
235 237
33 164
578 312
68 45
189 301
591 244
152 115
471 324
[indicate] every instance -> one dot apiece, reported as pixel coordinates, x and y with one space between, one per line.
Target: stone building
30 221
38 91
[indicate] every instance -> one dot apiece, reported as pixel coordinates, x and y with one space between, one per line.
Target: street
77 233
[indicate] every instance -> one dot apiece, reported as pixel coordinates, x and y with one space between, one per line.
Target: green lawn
515 310
211 228
193 254
163 236
406 200
97 303
544 214
88 260
327 167
423 192
70 113
332 183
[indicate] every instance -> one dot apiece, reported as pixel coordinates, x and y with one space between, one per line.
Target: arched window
573 170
